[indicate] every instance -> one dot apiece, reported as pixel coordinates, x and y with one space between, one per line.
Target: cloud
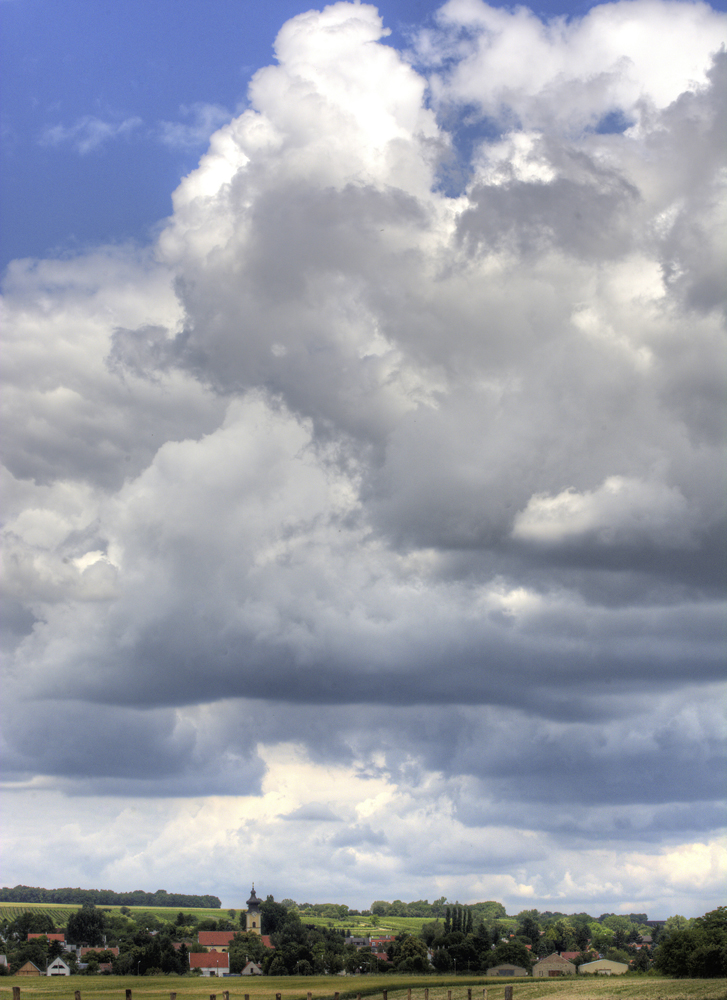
385 514
88 133
205 119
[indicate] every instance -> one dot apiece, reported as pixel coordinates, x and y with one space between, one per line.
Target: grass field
324 987
60 912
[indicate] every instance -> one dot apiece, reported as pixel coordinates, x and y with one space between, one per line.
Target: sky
363 451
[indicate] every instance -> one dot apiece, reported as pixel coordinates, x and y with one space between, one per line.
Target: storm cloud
388 507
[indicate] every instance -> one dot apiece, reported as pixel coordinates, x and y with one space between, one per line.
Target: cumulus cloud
384 512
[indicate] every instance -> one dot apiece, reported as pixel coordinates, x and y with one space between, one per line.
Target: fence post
426 993
469 994
508 993
386 994
172 996
128 995
16 993
213 996
449 995
408 994
310 997
336 996
226 995
77 995
484 993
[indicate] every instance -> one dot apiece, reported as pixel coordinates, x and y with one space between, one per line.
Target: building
28 970
604 967
252 969
554 965
210 963
507 970
50 937
58 968
216 940
253 920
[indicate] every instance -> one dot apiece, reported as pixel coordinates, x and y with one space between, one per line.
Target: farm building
554 965
28 970
211 963
507 970
58 968
604 967
252 969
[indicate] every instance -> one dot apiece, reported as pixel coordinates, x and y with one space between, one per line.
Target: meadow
369 988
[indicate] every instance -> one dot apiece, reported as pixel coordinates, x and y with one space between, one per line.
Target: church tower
253 923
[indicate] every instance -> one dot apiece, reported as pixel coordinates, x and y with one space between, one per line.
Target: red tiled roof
265 938
51 937
209 960
216 938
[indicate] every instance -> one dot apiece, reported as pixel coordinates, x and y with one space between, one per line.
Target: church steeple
253 923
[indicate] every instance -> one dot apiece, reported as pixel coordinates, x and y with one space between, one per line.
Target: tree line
105 897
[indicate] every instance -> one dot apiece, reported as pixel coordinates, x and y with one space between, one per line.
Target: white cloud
89 132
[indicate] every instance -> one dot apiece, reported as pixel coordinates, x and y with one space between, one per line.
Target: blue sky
363 453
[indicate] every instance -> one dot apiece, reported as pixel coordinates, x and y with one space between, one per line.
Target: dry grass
324 988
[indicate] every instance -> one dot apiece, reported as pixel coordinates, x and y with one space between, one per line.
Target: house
569 956
216 940
86 949
507 970
604 967
28 970
50 937
554 965
211 963
58 968
252 969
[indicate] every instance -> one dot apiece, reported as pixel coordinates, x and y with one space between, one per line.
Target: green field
324 987
60 912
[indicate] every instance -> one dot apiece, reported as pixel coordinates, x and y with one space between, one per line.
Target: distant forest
105 897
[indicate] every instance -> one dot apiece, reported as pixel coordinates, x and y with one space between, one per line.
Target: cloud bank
378 510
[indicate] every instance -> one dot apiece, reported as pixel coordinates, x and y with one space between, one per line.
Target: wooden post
172 996
449 995
508 993
408 994
426 993
226 995
336 996
77 995
310 996
128 995
386 994
213 996
16 993
469 994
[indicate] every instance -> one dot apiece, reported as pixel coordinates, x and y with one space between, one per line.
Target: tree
512 951
86 926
